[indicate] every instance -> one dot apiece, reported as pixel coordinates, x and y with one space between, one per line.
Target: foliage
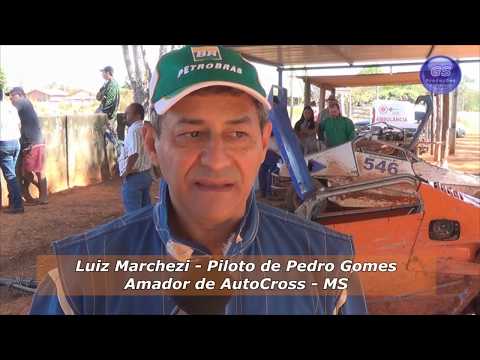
3 79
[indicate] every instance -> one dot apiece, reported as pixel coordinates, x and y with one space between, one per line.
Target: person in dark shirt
32 147
305 130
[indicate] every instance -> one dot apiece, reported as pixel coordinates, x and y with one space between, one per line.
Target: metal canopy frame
281 69
340 54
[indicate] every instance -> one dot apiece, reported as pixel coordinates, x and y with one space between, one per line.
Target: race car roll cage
302 180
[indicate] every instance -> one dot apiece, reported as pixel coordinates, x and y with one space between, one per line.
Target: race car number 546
381 165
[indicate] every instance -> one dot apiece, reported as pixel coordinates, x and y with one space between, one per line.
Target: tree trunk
128 63
136 73
139 72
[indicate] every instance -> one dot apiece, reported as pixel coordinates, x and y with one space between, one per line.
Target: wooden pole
307 93
453 124
350 105
342 103
432 125
438 127
321 104
445 128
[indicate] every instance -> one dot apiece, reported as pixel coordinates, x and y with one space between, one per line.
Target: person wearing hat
323 115
211 135
9 153
109 97
32 148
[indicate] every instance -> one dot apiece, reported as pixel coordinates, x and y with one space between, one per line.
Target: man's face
130 115
14 98
210 149
105 75
333 110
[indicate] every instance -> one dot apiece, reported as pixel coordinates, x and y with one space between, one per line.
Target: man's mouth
214 185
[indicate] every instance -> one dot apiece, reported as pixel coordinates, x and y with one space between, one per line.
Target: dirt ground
23 237
467 155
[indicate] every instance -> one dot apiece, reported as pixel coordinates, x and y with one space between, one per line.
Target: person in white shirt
134 162
9 152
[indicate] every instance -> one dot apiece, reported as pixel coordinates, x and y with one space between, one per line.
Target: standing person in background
325 113
337 129
32 147
9 152
109 97
321 118
305 130
134 162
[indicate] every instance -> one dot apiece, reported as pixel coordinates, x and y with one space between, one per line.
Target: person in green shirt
336 129
109 97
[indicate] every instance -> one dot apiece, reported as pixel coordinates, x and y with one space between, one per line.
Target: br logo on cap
203 53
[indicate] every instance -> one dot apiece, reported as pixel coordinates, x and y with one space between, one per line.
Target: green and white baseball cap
181 72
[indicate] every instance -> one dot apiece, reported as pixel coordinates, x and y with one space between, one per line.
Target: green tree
3 79
371 70
366 95
468 96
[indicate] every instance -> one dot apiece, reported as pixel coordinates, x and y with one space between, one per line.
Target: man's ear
149 137
266 134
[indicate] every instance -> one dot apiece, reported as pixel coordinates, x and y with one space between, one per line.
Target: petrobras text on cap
209 66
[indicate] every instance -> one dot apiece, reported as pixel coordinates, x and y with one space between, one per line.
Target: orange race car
431 231
433 236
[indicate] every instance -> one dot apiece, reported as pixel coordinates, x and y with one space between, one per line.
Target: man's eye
190 134
239 134
194 134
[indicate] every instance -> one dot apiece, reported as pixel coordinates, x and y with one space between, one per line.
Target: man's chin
218 208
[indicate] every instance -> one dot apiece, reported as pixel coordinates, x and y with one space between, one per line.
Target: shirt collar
183 249
136 124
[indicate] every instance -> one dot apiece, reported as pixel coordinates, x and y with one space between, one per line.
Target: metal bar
305 210
364 211
280 78
368 185
364 66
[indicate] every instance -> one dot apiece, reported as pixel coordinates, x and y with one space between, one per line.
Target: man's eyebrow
193 121
189 121
241 120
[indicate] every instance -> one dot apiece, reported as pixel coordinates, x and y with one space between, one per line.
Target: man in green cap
210 136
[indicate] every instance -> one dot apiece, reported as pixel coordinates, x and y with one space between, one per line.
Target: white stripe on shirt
134 144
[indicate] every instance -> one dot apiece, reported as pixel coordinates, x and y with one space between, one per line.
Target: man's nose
215 154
